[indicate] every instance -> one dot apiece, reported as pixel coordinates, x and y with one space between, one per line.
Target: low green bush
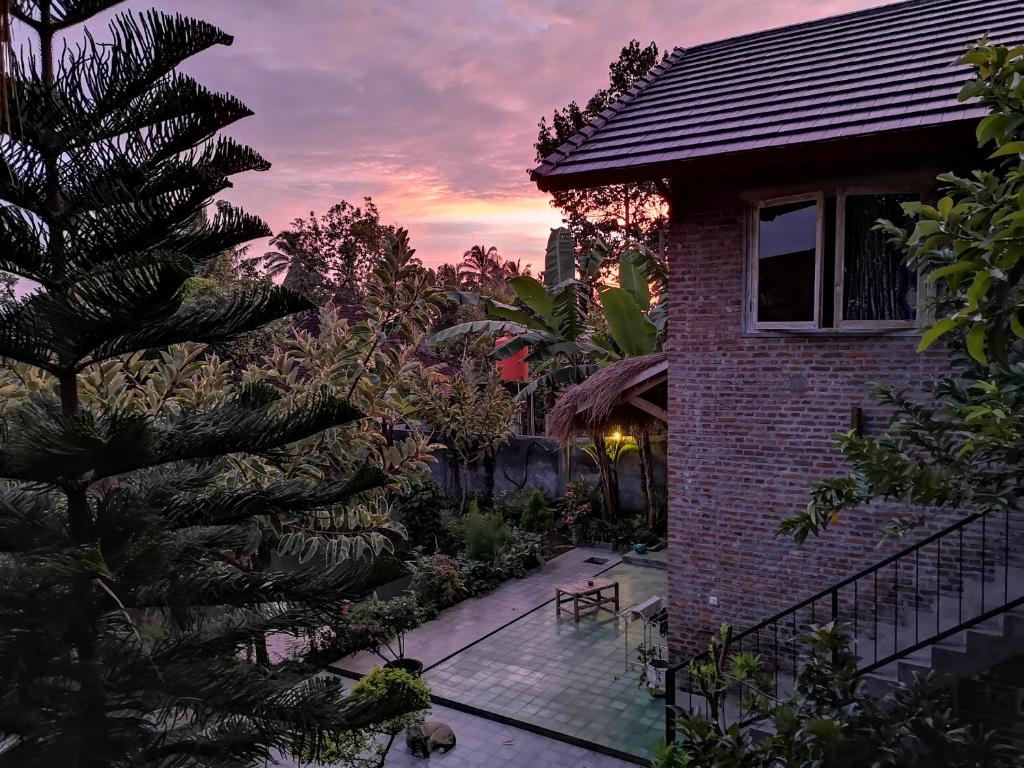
829 720
422 510
401 693
537 516
437 581
377 626
483 535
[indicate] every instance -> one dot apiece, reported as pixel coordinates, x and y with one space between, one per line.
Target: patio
518 663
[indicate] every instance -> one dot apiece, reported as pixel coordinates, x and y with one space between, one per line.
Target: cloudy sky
431 106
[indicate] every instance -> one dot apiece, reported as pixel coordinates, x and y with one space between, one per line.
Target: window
787 250
801 245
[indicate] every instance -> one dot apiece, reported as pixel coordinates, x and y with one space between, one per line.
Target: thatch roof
628 394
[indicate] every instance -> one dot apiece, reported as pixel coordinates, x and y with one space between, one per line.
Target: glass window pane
876 284
787 250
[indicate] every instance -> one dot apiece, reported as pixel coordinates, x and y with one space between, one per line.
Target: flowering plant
578 504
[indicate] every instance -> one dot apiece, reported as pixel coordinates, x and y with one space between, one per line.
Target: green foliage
828 721
559 258
582 513
329 257
127 456
471 413
633 332
617 213
522 552
963 449
549 320
437 580
484 535
421 509
634 279
8 283
369 747
581 503
377 626
537 516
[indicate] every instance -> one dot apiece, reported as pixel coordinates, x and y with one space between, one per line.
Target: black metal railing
950 581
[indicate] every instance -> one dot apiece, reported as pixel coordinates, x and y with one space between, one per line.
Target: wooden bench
586 594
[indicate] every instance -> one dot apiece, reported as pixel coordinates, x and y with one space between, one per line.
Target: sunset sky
431 106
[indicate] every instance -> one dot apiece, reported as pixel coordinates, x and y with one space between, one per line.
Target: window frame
839 323
839 326
754 263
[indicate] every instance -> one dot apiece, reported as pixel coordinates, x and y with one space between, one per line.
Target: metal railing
944 584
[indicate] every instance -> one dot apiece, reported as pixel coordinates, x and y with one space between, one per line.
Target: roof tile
884 69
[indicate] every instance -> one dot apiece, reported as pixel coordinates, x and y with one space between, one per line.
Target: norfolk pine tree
110 518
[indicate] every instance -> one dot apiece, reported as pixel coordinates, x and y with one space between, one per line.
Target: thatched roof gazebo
630 394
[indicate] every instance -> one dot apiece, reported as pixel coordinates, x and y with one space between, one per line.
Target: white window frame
839 322
754 263
839 325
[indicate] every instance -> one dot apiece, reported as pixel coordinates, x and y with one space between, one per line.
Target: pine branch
58 14
43 445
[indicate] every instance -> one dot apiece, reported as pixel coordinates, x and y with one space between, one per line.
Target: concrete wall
526 463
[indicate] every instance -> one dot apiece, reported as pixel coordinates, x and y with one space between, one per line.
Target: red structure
513 369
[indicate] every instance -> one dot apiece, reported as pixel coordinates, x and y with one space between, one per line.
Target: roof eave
541 176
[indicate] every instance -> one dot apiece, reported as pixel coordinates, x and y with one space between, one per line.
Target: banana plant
549 319
635 327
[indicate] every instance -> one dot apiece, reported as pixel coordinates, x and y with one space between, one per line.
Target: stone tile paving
482 743
562 676
462 624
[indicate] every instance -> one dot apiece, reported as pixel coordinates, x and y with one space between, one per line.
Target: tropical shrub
422 509
580 503
377 626
522 551
828 720
537 516
369 747
483 535
437 580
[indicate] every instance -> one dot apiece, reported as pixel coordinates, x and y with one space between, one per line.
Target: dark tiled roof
884 69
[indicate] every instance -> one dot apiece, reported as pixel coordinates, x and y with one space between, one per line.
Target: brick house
778 150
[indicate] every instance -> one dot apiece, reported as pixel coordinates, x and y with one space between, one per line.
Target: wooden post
604 465
647 478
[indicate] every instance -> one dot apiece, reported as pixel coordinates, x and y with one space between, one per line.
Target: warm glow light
616 436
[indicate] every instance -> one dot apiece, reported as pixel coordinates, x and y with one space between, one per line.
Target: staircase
952 604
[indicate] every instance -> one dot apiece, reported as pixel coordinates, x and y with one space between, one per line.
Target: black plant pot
412 666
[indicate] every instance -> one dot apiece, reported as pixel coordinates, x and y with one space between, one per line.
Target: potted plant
654 668
381 626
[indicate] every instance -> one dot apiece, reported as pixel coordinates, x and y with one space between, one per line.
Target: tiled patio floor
562 676
482 743
468 621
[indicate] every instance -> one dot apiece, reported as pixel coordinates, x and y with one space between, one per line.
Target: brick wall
750 429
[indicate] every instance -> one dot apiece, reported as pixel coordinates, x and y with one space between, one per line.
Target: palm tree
481 266
515 268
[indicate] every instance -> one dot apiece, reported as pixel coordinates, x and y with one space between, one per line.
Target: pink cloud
431 107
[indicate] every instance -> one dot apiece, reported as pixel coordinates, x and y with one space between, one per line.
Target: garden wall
752 419
526 463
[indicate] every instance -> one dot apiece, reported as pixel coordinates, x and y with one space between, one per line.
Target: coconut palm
481 266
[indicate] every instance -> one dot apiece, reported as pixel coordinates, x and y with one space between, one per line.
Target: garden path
470 621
